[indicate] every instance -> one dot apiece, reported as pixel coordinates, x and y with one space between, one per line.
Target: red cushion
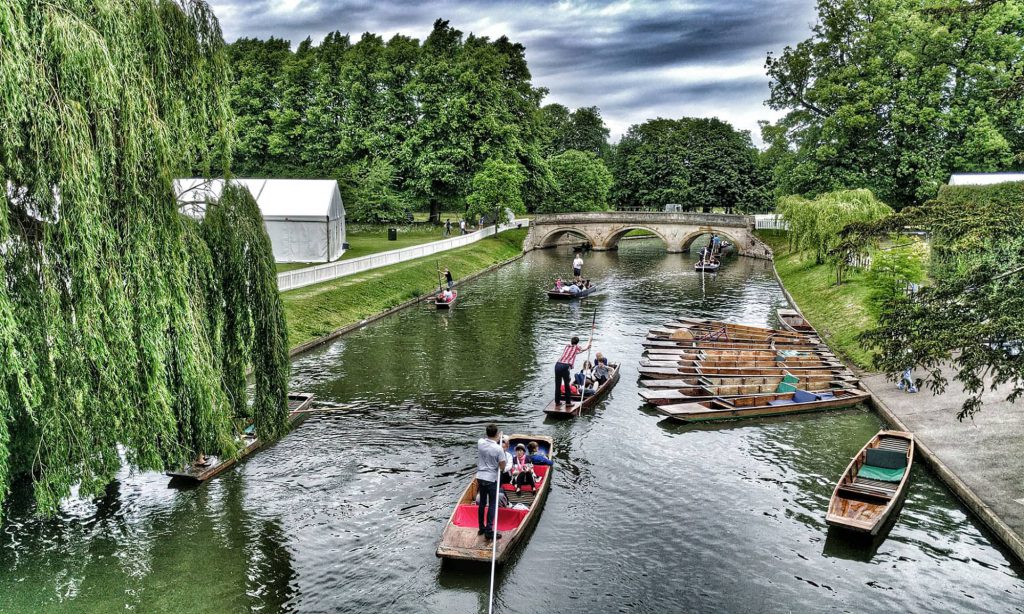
540 470
508 519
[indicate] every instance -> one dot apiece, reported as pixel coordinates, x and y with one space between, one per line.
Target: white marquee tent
984 178
305 218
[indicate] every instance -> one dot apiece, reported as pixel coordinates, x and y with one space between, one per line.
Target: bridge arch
612 240
551 238
688 240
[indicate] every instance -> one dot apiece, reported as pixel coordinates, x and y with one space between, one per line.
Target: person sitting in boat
522 469
573 289
536 456
447 295
600 372
558 284
506 475
584 380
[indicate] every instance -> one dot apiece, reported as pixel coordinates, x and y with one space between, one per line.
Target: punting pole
438 265
494 537
583 388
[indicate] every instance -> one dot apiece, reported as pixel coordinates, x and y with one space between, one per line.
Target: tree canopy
696 162
416 119
580 130
971 315
894 95
495 188
115 322
582 182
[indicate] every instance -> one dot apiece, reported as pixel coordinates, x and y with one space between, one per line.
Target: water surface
344 514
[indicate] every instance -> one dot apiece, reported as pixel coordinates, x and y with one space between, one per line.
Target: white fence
770 221
299 278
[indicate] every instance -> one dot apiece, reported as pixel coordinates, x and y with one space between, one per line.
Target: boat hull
576 409
868 506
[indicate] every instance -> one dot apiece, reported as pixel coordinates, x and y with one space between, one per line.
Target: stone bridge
603 229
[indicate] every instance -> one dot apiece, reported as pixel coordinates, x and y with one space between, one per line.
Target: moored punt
675 372
686 334
695 324
576 408
716 363
874 484
762 405
566 296
753 380
443 304
792 320
661 342
298 408
460 539
662 396
731 354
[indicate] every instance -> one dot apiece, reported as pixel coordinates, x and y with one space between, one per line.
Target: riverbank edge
331 336
1009 538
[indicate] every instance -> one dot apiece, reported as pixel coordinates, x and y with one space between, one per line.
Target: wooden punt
736 352
874 485
720 380
687 334
698 354
662 396
722 363
698 324
298 407
566 296
675 372
440 303
575 409
660 342
460 539
707 267
762 405
792 320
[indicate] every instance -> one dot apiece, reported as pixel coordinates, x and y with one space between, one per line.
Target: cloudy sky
635 59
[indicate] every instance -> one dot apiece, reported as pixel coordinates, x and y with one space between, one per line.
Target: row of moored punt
700 370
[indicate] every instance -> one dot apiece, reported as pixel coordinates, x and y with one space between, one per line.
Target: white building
305 218
984 178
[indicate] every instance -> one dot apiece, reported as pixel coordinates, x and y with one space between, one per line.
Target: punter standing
490 465
448 277
577 266
563 369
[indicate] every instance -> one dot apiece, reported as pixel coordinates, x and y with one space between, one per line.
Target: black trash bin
392 234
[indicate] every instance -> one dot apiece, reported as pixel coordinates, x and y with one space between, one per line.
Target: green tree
817 224
373 198
581 130
496 187
894 95
111 311
699 163
582 182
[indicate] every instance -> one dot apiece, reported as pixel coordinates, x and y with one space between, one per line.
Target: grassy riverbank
839 313
315 311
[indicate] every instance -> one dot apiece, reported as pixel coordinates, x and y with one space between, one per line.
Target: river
344 514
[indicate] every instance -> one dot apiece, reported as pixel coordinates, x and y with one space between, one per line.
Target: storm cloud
636 60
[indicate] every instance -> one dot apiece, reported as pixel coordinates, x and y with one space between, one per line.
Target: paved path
980 459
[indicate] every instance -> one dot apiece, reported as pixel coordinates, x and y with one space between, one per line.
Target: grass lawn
839 313
315 311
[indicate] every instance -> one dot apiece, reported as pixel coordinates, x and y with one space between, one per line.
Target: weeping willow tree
817 224
108 353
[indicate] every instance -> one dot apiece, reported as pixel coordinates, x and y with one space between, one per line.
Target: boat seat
883 465
541 471
508 518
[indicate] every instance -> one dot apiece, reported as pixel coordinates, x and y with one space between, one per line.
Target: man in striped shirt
563 369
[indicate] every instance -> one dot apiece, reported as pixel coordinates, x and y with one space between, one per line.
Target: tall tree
894 95
496 187
699 163
582 182
581 130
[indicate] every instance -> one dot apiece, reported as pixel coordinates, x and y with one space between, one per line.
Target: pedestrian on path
907 381
490 465
448 227
462 226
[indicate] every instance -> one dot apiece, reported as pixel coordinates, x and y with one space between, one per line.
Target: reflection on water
344 514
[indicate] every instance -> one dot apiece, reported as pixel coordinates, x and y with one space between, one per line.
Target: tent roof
984 178
276 197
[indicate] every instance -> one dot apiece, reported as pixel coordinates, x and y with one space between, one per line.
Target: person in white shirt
577 266
490 465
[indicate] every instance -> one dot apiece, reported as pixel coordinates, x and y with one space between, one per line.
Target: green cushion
883 475
784 387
